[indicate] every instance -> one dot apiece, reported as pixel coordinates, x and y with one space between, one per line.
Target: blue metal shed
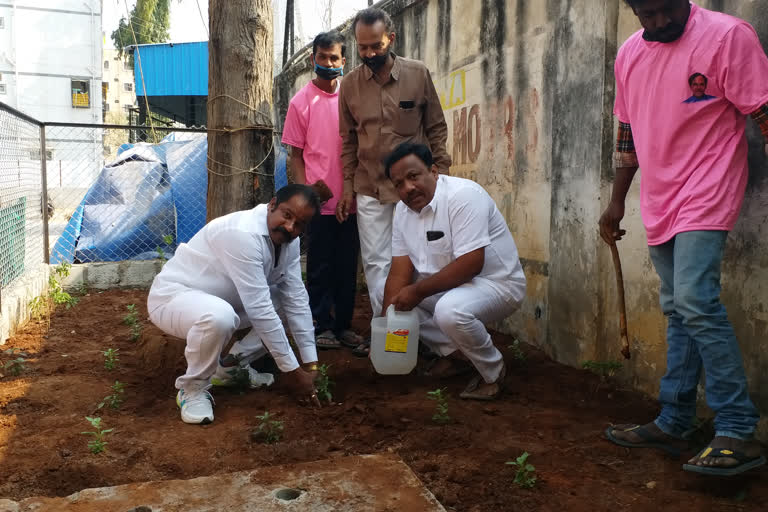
174 79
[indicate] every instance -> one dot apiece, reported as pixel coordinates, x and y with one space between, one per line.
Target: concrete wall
527 89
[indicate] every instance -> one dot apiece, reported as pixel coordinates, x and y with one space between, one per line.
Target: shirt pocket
439 253
408 118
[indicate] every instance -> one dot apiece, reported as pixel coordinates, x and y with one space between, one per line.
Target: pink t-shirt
312 124
690 138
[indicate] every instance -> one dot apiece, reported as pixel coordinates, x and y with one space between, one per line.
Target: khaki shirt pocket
408 119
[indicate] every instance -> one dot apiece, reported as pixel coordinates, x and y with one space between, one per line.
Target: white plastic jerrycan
395 342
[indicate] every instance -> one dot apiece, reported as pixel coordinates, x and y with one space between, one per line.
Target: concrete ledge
367 483
14 309
118 274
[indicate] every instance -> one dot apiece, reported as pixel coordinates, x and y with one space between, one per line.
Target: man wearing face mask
386 101
240 270
311 128
694 160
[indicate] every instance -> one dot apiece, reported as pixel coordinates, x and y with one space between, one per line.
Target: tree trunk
240 156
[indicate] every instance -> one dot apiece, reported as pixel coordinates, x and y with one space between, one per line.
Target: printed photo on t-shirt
698 84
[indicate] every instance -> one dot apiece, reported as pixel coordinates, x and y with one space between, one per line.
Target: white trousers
454 320
207 323
374 224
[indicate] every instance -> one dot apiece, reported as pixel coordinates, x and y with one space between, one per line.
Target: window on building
80 94
126 65
117 101
106 64
128 86
106 107
2 22
127 108
117 79
2 89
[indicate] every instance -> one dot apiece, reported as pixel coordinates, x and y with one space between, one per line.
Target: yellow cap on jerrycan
395 342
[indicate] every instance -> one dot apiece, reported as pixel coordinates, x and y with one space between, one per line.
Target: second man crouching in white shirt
241 269
455 262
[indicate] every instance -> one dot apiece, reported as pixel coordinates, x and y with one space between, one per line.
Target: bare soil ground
551 411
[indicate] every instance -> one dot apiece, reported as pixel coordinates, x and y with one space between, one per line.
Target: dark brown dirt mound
551 411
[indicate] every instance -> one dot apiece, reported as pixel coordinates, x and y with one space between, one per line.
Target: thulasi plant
269 430
15 365
38 308
98 444
323 384
41 306
516 351
55 291
115 399
168 241
111 358
132 319
525 476
440 396
604 369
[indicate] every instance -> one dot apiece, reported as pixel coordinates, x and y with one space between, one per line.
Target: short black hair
294 189
370 16
405 149
329 40
695 76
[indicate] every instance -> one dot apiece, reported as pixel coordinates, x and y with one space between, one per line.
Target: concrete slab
375 483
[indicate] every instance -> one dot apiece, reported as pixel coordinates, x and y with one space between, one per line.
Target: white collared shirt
233 258
469 219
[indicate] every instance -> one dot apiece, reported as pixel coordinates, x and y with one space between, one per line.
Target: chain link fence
21 196
113 200
81 193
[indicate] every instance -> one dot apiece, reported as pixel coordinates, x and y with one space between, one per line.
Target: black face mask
668 34
376 61
328 73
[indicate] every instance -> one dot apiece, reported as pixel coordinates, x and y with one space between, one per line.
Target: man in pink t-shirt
684 85
312 129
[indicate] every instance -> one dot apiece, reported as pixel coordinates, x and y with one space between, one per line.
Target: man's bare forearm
622 182
298 168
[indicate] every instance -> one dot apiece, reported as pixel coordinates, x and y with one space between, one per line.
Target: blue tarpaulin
150 192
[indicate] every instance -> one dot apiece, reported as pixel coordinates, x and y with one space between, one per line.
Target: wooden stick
622 304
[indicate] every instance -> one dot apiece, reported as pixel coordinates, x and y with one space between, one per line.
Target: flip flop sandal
469 392
350 339
363 349
326 340
745 462
649 440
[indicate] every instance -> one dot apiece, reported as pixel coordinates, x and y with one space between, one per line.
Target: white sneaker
225 376
196 406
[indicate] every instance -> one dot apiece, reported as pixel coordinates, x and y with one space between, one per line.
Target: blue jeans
699 333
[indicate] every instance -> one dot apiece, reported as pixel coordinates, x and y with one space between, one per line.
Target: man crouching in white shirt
454 261
241 269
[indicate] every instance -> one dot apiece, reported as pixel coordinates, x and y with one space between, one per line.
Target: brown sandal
327 340
470 392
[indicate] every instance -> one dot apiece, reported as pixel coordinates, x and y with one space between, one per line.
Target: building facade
50 59
117 86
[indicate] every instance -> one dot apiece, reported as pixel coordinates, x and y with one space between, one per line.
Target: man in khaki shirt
383 102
